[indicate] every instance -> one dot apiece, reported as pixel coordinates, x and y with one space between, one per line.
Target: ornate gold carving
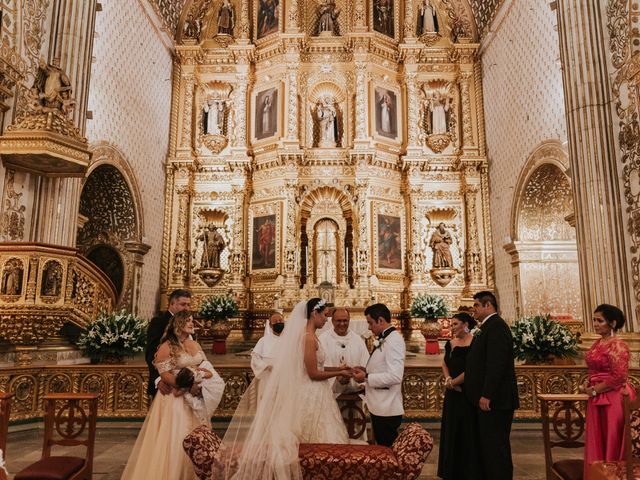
12 220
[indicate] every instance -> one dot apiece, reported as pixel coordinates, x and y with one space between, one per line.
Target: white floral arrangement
537 338
218 307
118 334
429 306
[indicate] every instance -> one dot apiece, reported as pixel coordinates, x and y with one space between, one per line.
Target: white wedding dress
264 435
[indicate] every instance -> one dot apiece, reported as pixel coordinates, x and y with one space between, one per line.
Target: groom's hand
164 388
484 404
358 375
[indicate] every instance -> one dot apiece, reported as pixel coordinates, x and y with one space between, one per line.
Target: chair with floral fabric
403 461
628 469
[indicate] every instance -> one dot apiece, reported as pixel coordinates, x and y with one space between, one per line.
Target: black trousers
494 429
385 429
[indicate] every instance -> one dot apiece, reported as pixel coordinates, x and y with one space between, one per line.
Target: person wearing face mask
608 362
264 353
457 430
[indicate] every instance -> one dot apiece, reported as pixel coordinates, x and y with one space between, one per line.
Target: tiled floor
115 440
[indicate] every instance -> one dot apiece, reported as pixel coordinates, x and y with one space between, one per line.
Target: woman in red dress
608 362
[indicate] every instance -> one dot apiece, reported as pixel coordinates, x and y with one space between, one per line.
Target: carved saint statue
53 87
440 243
214 120
328 21
213 246
326 116
52 282
191 28
12 280
439 105
226 18
427 20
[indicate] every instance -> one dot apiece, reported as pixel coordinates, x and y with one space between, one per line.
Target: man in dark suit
179 300
490 385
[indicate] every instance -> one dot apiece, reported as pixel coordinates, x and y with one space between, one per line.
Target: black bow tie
386 333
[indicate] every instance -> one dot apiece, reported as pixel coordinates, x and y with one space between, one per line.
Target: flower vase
111 359
431 329
220 330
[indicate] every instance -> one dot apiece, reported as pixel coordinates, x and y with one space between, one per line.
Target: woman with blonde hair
158 453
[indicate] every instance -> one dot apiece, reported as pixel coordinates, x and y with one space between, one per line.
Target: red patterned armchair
404 460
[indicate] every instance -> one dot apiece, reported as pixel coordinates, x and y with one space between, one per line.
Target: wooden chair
568 424
354 417
631 432
5 413
69 415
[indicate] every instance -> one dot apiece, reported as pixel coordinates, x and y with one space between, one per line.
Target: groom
383 375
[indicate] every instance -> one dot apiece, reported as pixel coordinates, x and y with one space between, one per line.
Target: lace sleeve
165 365
619 361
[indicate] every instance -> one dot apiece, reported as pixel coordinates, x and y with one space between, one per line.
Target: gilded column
467 132
409 23
291 254
292 18
362 254
137 250
187 111
71 47
240 110
292 102
413 110
472 254
361 101
181 250
416 254
360 16
604 275
243 24
238 259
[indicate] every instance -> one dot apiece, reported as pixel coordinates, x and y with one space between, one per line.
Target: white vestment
349 350
264 354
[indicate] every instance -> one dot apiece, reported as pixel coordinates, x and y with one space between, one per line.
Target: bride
297 406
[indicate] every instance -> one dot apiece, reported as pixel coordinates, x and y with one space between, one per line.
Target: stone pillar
416 254
137 250
409 22
604 274
71 47
55 210
292 17
238 258
241 106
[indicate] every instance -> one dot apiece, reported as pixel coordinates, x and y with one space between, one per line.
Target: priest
342 346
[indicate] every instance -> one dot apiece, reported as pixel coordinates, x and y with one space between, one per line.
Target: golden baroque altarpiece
331 149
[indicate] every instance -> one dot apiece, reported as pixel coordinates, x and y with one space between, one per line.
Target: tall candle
306 257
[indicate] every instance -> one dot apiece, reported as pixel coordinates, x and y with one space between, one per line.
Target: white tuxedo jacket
383 387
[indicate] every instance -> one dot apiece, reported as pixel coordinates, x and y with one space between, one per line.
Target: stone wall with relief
522 110
130 125
318 164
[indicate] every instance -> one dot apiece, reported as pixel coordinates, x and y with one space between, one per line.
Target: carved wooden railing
44 286
122 388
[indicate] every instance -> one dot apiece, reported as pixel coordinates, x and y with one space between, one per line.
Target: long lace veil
261 442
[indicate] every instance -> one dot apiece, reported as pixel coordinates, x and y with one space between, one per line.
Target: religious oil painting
383 17
263 249
266 114
389 242
268 17
385 102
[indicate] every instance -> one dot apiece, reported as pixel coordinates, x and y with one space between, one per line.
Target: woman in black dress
457 431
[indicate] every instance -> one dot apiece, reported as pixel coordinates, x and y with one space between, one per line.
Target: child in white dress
211 385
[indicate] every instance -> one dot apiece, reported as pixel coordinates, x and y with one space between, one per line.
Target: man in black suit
179 300
490 385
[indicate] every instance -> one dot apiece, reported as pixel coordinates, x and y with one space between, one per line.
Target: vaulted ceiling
169 11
